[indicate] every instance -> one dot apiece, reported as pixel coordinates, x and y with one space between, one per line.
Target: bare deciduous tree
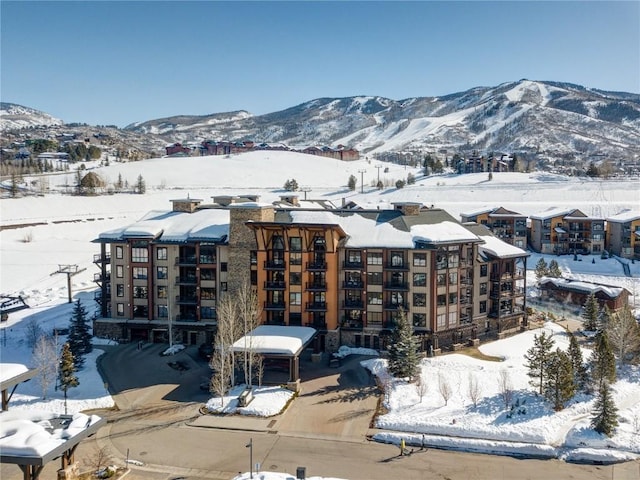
505 387
474 389
32 333
45 360
221 357
249 316
445 388
421 385
624 334
97 459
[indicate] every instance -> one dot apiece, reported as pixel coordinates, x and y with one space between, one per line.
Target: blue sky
118 62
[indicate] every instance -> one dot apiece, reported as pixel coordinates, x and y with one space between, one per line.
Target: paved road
158 423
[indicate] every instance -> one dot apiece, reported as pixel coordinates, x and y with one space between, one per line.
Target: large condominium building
346 273
623 234
566 231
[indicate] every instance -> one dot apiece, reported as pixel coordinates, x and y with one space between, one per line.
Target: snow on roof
206 224
552 212
442 232
498 248
275 339
11 370
29 433
477 211
625 216
588 287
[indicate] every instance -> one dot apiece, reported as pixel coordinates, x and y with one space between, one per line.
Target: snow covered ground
58 229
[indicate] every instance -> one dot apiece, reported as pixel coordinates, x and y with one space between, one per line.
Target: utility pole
69 271
379 167
305 190
361 172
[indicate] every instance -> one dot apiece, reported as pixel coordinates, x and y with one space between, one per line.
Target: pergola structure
32 459
11 376
276 341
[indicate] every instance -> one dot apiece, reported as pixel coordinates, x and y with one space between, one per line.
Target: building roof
275 340
210 224
583 287
552 212
625 216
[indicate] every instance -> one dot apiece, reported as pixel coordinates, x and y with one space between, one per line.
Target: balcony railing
98 278
317 324
275 285
186 280
99 258
268 305
353 284
396 286
397 266
353 304
353 265
208 259
316 265
186 299
316 306
188 260
316 286
275 264
396 306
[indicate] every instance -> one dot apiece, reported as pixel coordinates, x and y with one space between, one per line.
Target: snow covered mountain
524 116
14 116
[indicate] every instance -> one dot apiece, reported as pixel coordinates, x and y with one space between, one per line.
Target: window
483 288
139 255
119 290
419 279
419 259
354 256
295 244
397 259
140 292
483 306
120 309
119 251
454 260
295 298
396 298
277 243
374 259
483 270
119 271
453 298
161 253
253 277
441 300
207 254
139 273
453 318
162 273
295 258
163 311
207 293
374 298
419 299
207 312
441 260
207 274
253 257
295 278
442 320
162 291
453 278
223 286
374 278
223 266
419 320
441 279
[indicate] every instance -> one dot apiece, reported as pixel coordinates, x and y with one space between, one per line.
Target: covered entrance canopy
277 341
12 375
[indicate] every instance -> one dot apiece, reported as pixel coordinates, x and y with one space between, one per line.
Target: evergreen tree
403 349
603 362
438 167
605 411
399 184
593 171
554 269
79 339
411 179
66 373
559 385
119 184
141 186
590 313
580 374
542 269
537 357
14 185
352 182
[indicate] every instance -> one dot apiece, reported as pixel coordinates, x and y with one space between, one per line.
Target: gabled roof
583 286
492 246
625 216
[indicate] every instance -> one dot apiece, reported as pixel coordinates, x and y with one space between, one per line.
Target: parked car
205 351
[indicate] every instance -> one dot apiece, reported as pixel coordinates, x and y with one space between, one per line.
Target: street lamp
250 447
361 172
379 167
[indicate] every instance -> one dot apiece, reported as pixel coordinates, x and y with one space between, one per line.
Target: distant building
507 225
576 292
176 149
566 231
623 234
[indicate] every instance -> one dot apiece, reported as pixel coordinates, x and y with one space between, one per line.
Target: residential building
623 234
576 292
507 225
566 231
346 273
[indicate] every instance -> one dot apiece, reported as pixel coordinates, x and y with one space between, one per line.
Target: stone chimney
408 208
188 205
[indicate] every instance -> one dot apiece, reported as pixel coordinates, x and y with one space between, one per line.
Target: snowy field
58 229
